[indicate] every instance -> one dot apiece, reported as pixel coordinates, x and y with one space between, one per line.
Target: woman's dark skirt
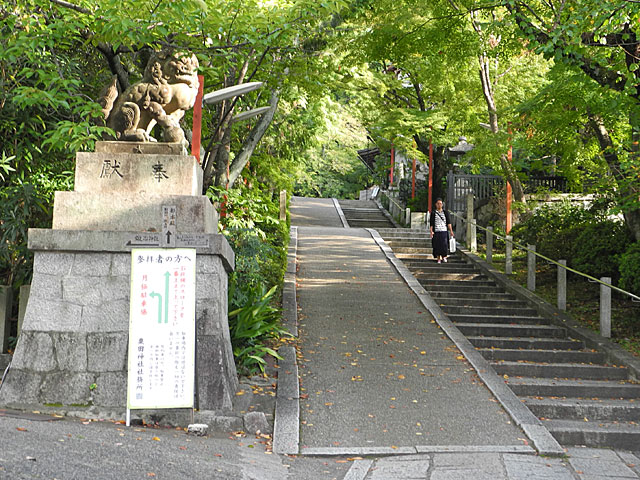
440 243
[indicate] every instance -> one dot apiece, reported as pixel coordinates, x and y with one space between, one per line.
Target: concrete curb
286 427
615 354
289 301
388 451
542 440
343 219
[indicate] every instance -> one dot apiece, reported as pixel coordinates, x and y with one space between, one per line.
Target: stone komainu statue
168 88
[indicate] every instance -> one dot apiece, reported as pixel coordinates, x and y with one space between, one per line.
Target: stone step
416 250
432 266
494 319
494 301
551 356
366 224
497 343
621 436
560 370
405 242
596 389
446 297
434 276
403 232
510 331
481 285
427 259
497 311
579 409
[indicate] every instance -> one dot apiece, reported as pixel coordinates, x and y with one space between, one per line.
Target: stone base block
73 345
148 148
131 212
134 173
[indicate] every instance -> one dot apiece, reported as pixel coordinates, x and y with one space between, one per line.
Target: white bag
452 245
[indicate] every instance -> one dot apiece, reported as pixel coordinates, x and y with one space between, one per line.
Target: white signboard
162 331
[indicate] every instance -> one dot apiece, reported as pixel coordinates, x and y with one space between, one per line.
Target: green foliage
630 269
419 203
553 229
251 327
589 240
597 246
23 206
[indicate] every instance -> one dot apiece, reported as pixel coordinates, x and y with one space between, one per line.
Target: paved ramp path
376 371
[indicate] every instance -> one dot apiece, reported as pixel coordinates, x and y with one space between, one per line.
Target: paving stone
358 470
464 473
401 467
529 467
384 470
601 467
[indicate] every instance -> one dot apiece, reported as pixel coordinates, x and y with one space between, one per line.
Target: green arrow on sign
167 276
159 297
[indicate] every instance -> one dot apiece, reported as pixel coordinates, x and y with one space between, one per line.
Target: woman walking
440 223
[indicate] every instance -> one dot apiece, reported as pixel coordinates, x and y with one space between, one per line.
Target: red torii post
430 177
413 179
509 189
393 159
197 121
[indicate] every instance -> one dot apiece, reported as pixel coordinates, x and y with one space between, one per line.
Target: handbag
452 244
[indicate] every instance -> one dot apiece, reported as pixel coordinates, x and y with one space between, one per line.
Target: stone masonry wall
75 333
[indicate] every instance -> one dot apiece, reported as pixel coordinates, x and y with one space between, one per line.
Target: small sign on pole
168 237
162 330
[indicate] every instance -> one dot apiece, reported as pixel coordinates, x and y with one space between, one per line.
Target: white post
562 286
508 265
474 241
6 302
531 268
469 218
407 216
25 290
283 205
489 244
605 308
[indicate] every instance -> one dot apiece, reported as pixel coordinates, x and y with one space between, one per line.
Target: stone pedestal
73 347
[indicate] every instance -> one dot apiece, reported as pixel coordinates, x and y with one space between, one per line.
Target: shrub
552 229
597 247
251 326
630 269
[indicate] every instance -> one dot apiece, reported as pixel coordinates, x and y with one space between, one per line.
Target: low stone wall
73 346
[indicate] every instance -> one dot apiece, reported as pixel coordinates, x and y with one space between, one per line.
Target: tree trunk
626 190
507 166
251 142
440 168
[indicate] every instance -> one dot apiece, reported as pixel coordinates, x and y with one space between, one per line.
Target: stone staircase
581 398
364 214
